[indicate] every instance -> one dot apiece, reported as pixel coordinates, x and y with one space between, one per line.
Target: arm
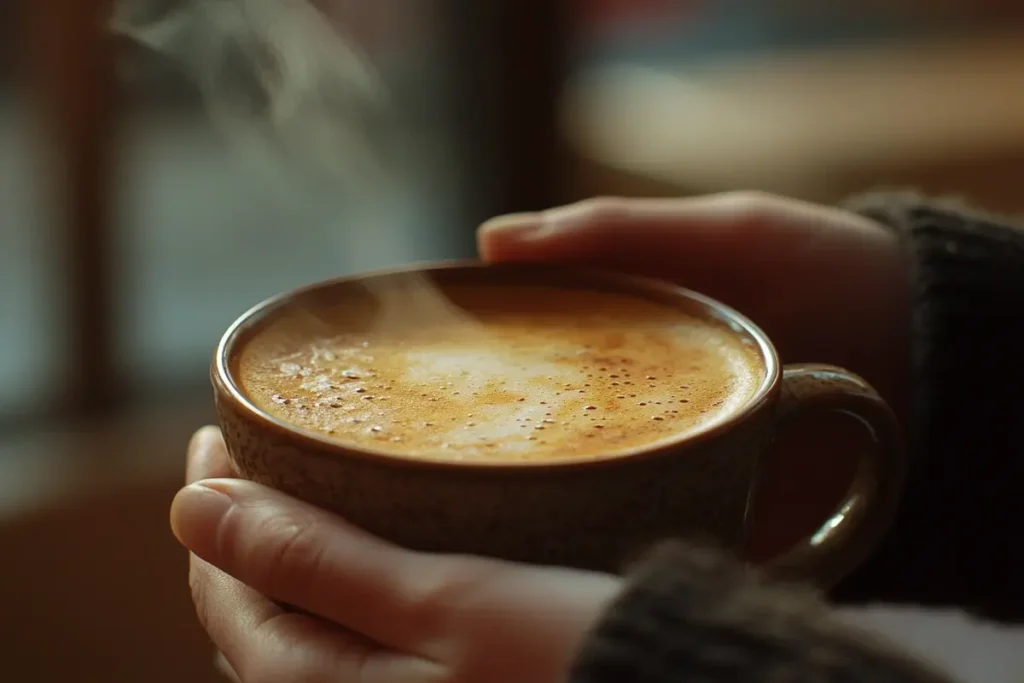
953 541
688 614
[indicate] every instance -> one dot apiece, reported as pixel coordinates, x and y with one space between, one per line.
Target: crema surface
509 373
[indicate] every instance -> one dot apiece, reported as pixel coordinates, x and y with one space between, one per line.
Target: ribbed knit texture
955 540
691 615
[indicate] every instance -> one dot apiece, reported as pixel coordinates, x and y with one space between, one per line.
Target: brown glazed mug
597 513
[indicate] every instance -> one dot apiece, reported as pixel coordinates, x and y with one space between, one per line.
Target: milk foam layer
543 374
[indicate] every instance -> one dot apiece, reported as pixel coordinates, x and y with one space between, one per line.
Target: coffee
503 373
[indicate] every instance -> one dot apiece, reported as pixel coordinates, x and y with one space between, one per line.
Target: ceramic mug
596 513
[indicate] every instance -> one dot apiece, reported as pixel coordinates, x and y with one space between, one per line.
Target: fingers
782 262
726 245
648 233
259 641
598 225
233 615
207 456
300 555
221 663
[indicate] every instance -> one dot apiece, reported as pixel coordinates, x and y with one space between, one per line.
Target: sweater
689 613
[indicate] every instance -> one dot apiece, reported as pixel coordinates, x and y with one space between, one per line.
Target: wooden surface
949 116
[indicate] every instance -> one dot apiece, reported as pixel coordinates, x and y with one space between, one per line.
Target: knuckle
290 551
449 594
603 208
747 205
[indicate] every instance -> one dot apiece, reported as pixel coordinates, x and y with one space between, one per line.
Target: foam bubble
520 380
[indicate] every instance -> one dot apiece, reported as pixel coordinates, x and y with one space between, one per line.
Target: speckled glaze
595 513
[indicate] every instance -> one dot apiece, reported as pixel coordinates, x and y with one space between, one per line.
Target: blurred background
131 234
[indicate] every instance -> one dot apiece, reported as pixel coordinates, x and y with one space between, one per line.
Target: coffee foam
505 374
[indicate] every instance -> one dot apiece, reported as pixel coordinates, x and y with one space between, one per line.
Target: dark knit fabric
694 615
955 539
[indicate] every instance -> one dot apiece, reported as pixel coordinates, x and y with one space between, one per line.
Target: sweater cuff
689 614
962 263
952 543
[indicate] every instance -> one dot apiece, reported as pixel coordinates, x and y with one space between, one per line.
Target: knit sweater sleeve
954 540
690 614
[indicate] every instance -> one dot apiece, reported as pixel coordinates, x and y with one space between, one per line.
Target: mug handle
868 509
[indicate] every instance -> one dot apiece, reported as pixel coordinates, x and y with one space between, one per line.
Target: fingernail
513 224
195 512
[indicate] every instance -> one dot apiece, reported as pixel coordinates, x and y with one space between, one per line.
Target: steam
413 301
278 77
285 83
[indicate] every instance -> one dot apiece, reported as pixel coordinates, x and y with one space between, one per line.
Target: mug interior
363 290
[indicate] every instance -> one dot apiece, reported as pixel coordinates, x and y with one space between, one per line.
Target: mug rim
655 289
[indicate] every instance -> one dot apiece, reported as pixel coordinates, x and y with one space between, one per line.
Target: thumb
302 556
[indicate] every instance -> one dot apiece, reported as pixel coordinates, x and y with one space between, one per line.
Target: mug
595 513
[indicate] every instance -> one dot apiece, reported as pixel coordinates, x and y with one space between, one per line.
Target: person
923 298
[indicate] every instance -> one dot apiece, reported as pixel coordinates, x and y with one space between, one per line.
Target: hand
826 285
366 611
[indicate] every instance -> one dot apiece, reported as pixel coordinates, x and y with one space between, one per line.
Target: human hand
825 284
365 610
